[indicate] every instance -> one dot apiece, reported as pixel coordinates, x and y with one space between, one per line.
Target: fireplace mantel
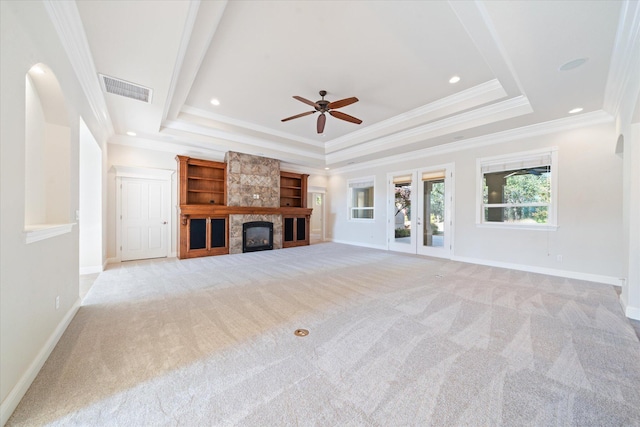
187 210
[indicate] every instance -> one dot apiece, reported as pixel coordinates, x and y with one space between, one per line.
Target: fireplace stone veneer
235 230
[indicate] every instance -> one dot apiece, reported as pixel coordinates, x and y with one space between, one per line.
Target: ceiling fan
323 106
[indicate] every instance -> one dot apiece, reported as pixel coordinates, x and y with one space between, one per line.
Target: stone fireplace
252 181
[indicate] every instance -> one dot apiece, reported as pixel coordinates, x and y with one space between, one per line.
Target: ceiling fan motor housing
322 106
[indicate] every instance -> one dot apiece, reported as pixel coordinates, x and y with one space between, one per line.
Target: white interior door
420 219
315 200
144 218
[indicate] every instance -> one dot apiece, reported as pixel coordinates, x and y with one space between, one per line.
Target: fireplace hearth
257 236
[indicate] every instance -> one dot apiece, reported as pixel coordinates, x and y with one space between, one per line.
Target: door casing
161 175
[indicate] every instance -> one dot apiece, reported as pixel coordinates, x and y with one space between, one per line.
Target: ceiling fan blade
321 121
342 102
298 115
306 101
346 117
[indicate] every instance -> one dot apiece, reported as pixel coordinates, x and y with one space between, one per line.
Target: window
361 195
518 190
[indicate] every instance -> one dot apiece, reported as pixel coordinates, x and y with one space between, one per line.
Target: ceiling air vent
124 88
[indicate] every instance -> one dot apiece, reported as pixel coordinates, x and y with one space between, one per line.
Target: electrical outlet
57 302
559 258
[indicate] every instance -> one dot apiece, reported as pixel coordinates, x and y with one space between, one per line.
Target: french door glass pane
433 224
403 212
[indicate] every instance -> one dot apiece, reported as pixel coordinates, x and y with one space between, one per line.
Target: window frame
506 162
353 184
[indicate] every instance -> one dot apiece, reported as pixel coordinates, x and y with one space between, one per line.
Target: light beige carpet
394 340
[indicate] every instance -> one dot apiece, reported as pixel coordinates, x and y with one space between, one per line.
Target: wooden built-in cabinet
293 194
204 236
293 190
204 214
202 182
295 230
202 187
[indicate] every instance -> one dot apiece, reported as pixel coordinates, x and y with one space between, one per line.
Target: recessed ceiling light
130 133
573 64
37 69
454 79
326 169
575 110
215 101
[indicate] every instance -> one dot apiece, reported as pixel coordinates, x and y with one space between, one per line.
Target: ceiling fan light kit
323 106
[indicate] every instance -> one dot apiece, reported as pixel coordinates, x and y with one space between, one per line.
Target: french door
420 219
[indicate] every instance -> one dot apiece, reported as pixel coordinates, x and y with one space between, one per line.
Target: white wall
589 236
123 155
90 197
35 191
628 127
32 275
57 169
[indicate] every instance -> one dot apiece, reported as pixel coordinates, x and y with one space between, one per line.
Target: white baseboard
114 260
91 270
16 394
632 312
610 280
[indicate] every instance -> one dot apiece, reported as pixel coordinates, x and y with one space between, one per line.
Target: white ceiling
395 56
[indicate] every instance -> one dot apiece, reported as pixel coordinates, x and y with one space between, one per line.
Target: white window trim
552 224
366 179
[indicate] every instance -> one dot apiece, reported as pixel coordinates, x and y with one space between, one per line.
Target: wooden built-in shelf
204 214
293 190
202 182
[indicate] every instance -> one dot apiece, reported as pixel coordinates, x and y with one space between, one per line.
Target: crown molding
259 143
192 14
292 167
142 172
559 125
625 57
476 20
488 114
66 20
183 147
251 126
202 23
472 97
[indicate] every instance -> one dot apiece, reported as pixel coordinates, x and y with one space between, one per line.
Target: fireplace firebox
257 236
